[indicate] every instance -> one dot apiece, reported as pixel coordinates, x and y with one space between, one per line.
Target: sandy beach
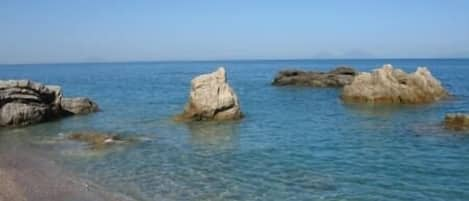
28 175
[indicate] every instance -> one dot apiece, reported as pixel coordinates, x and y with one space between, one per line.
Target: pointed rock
211 98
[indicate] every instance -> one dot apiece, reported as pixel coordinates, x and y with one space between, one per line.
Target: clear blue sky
112 30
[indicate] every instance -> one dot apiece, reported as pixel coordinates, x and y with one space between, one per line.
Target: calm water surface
294 144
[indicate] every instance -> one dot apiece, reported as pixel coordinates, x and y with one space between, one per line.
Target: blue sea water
295 143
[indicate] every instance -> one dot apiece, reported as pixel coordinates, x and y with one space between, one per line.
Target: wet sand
29 175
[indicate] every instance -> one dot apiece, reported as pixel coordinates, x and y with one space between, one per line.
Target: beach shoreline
28 174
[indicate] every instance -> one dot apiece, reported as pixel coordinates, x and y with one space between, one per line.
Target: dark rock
344 71
335 78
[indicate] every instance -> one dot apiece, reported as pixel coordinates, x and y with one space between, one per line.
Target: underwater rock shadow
383 110
215 135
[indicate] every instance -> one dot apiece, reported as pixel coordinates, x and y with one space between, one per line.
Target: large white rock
211 98
391 85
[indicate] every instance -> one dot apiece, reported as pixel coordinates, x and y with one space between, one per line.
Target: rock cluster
24 102
211 98
335 78
457 121
389 85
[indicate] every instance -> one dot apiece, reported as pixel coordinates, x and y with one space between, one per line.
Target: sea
295 143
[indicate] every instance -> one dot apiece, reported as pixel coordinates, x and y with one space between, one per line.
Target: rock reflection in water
381 117
380 110
214 135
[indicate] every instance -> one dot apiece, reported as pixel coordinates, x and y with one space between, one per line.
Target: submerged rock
389 85
457 121
335 78
96 140
79 105
24 102
211 98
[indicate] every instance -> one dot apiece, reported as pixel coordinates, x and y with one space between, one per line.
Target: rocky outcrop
389 85
457 121
79 105
335 78
24 102
211 98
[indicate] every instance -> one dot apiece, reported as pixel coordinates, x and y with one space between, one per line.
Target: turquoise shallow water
294 144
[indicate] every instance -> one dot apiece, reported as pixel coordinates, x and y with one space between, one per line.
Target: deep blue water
294 144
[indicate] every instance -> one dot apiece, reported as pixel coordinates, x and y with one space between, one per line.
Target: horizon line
229 60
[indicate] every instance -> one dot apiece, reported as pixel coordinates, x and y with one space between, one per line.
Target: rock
389 85
335 78
79 105
24 102
16 113
211 98
95 140
342 70
457 121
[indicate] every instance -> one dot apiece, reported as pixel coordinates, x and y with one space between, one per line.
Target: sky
54 31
